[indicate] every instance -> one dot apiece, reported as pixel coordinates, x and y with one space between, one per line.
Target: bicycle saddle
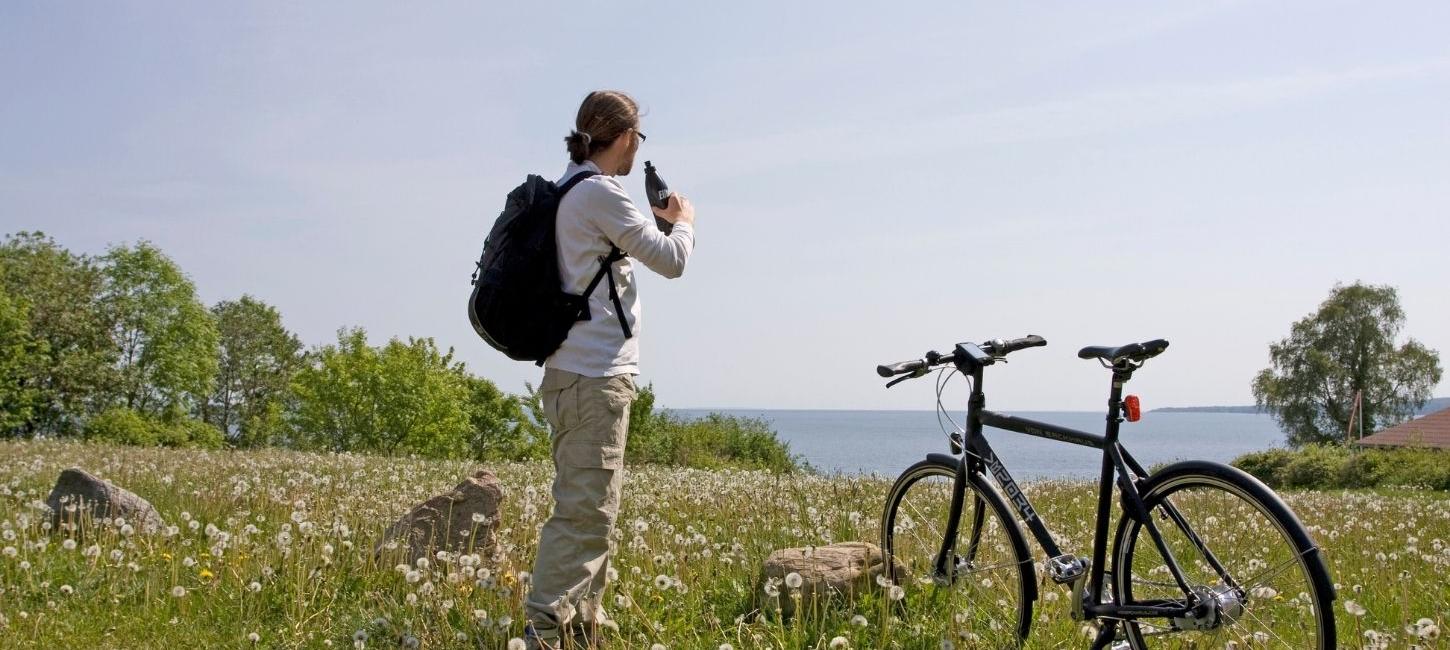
1132 351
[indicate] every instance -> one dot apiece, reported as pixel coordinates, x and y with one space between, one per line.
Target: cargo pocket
585 454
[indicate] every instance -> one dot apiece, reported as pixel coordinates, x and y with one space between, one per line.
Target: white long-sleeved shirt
593 214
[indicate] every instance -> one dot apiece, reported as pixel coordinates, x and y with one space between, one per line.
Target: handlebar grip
899 368
1029 341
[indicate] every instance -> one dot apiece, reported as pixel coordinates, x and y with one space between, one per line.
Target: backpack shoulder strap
606 269
606 263
575 180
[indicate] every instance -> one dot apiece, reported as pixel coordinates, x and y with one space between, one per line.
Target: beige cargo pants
589 418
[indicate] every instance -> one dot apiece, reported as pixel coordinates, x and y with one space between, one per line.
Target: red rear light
1133 408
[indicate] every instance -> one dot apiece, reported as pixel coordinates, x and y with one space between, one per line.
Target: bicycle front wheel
1243 553
984 596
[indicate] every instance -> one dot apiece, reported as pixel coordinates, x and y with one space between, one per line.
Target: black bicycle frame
1117 463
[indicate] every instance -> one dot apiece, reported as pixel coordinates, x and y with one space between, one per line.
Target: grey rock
836 571
80 500
446 522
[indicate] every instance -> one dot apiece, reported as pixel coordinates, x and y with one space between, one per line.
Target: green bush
1267 465
1315 466
190 432
124 426
121 426
714 441
1332 466
1364 470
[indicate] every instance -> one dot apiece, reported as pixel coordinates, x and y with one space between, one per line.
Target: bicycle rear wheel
1240 548
985 597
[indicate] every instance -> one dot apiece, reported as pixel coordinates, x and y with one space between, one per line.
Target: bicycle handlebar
1001 348
996 348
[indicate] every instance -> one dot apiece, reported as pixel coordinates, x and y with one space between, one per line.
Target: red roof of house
1432 430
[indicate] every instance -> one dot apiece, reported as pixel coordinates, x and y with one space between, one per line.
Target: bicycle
1201 557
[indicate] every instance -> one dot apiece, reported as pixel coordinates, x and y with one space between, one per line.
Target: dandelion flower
839 642
1354 608
859 621
793 580
254 637
516 644
67 590
662 582
896 592
178 591
68 544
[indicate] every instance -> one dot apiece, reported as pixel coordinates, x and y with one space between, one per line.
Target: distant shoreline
1434 404
1208 409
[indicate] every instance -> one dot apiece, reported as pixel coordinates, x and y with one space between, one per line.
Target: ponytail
603 116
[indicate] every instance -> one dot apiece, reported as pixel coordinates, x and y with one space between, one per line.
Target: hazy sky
871 180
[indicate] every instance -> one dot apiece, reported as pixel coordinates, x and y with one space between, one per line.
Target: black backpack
517 305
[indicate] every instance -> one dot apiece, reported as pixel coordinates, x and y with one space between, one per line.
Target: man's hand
678 210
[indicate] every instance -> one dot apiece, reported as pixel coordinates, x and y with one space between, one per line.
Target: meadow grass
274 549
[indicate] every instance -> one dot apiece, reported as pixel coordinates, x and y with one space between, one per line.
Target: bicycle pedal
1065 569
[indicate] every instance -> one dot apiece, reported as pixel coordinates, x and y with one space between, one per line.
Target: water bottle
658 193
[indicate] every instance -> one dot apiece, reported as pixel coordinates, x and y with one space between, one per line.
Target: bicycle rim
1278 599
986 603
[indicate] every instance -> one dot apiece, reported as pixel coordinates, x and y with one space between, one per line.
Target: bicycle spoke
1266 627
1276 570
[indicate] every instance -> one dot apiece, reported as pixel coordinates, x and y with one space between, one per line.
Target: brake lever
919 372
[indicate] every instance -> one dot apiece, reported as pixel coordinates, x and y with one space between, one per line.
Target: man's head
606 131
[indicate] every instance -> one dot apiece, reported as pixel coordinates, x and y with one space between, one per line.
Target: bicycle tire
908 556
1259 515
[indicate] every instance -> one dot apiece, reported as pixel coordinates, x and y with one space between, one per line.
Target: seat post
1121 375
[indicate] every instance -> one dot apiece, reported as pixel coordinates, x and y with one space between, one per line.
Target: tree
400 398
19 352
256 359
1346 347
502 428
167 340
75 356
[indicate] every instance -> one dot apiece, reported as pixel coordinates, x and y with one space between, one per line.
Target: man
588 383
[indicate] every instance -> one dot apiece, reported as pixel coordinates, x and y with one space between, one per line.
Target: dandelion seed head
793 580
